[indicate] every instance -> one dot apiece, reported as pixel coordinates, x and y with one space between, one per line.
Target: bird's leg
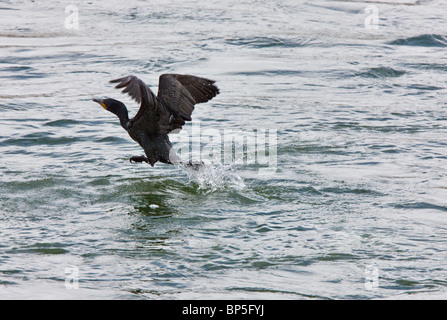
138 159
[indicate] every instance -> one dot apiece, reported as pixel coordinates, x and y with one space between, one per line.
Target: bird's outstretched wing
179 93
142 94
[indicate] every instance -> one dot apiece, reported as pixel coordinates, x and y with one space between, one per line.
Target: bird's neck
123 115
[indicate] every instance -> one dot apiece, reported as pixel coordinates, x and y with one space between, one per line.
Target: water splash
211 178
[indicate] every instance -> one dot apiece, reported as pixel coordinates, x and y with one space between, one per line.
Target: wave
381 72
268 72
425 40
42 138
420 205
266 42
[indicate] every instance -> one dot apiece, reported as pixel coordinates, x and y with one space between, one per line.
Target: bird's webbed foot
138 159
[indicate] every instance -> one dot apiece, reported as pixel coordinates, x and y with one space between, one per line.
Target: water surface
359 184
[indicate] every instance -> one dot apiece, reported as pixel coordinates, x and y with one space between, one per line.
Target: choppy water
355 209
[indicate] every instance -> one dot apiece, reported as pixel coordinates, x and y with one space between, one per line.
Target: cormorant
159 114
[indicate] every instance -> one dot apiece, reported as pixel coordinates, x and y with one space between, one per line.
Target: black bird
159 114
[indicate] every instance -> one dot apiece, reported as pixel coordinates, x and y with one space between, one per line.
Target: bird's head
116 107
111 105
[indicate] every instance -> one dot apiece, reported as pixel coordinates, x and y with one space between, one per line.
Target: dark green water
349 202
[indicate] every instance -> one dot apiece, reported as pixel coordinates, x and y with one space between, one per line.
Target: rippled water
355 209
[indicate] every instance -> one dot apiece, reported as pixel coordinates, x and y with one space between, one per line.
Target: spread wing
141 93
179 93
